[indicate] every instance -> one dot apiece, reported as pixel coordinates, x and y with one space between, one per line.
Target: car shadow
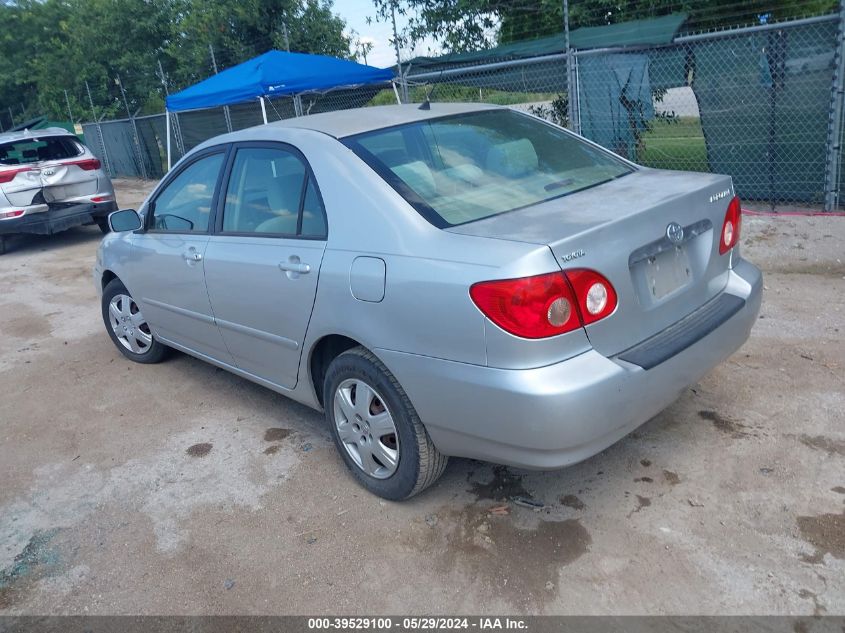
24 242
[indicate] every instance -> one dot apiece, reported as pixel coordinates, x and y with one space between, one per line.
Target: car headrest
513 159
280 224
283 193
417 175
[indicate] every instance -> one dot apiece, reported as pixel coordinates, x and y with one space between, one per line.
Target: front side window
467 167
184 205
270 192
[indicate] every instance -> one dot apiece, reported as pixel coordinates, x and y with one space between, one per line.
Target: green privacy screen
764 100
762 97
650 32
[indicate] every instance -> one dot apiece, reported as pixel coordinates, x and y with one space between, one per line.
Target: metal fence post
141 164
835 121
571 96
226 114
69 112
99 130
402 78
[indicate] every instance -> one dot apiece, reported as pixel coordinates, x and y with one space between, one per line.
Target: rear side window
184 205
270 192
36 150
463 168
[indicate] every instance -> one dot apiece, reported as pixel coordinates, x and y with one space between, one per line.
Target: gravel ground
181 489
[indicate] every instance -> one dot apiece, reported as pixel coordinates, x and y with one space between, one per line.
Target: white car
49 182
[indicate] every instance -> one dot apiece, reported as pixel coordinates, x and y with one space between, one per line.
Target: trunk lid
619 229
62 181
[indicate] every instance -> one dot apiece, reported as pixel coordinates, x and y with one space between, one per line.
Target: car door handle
295 267
192 256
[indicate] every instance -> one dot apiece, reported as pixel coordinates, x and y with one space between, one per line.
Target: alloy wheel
128 324
366 428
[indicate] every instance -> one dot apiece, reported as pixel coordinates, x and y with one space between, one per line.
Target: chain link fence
759 103
763 104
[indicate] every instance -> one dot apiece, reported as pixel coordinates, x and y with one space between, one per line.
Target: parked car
49 182
446 280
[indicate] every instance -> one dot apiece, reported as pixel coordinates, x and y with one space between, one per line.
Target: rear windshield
467 167
34 150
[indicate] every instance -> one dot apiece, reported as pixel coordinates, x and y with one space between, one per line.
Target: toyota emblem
675 233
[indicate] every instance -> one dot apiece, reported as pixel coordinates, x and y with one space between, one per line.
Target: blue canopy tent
275 73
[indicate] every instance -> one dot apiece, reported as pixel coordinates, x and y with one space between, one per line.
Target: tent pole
396 92
263 110
167 127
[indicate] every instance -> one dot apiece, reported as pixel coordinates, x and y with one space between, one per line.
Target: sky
355 12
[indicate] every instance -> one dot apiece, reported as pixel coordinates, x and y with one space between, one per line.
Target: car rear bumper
553 416
56 218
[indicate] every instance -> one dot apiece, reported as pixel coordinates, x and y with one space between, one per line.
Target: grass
675 144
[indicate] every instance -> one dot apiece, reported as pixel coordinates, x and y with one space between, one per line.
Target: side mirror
124 220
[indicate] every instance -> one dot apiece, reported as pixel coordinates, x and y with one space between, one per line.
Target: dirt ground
181 489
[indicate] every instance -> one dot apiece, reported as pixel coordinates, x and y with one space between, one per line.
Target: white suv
49 182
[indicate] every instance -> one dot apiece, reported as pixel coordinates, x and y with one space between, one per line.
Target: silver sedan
452 280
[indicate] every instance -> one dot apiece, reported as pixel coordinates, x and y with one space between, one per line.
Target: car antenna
426 104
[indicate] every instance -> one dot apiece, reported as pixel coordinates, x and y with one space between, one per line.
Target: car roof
22 135
343 123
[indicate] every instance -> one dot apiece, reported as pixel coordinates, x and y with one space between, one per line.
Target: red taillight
730 228
9 175
596 296
11 214
88 164
545 305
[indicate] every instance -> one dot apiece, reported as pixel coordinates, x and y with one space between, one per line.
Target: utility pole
287 37
225 108
69 113
11 117
572 90
398 58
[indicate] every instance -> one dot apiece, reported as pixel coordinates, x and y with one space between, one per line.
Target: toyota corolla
452 280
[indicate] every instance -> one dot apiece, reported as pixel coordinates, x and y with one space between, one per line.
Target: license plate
667 271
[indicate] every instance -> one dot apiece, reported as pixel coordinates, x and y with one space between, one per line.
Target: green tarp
650 32
764 100
616 102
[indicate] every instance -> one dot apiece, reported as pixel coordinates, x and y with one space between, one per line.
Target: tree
241 30
48 47
461 25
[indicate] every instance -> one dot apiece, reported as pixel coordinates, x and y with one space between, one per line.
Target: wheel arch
323 352
107 277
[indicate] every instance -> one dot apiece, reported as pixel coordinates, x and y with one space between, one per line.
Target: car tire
3 242
103 223
418 463
127 328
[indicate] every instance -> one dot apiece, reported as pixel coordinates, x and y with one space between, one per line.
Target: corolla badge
675 233
573 255
718 196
